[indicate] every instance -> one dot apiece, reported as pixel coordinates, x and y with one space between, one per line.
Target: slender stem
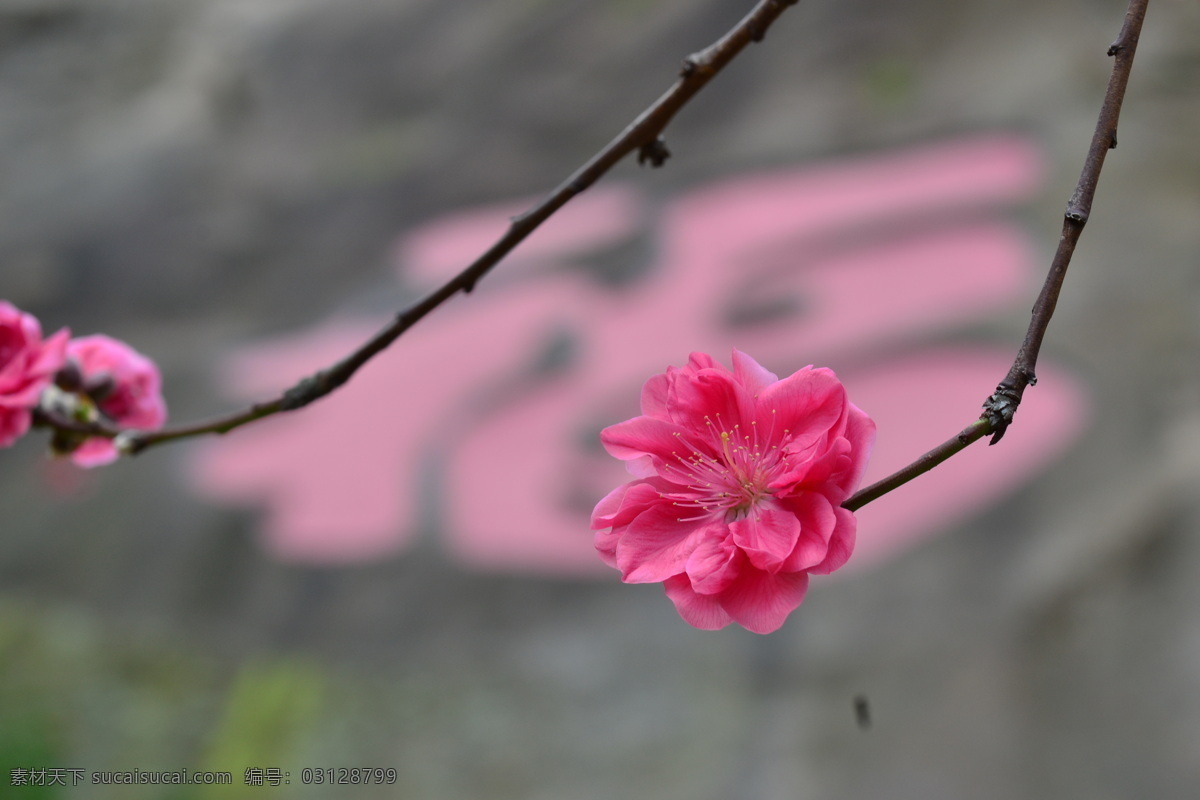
1002 405
972 433
45 418
641 135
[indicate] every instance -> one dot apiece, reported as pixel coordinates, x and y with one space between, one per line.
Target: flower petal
657 543
642 436
654 396
767 535
841 543
623 503
710 396
27 395
53 354
809 403
749 373
27 366
860 433
713 565
95 452
606 545
816 471
643 467
760 602
14 423
698 610
698 361
610 505
817 523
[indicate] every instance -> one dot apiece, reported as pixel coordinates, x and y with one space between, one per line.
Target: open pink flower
741 477
126 387
27 366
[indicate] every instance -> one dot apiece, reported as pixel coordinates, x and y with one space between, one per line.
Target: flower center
728 470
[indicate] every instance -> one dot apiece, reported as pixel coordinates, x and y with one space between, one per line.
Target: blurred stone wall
191 174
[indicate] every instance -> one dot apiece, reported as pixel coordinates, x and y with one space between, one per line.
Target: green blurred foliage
75 696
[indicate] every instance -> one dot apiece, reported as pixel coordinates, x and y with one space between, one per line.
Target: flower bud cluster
83 388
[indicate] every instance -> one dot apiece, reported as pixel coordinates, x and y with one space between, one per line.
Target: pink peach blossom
740 481
126 387
27 366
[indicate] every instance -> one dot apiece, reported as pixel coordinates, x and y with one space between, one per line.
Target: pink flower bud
124 384
27 366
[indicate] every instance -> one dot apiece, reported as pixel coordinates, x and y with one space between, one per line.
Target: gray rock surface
196 173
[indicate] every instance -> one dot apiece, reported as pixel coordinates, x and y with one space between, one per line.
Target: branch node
689 67
69 378
134 442
302 393
999 410
1115 48
1077 213
1112 142
655 152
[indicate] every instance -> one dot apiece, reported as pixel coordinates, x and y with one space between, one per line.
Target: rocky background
192 174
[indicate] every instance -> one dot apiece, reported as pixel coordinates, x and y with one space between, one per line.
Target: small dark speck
862 712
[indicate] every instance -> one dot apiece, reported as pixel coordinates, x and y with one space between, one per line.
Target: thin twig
49 419
1000 407
972 433
642 135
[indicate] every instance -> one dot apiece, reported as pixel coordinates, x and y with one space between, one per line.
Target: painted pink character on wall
863 265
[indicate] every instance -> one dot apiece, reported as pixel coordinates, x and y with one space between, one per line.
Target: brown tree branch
642 135
1002 404
972 433
1000 407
